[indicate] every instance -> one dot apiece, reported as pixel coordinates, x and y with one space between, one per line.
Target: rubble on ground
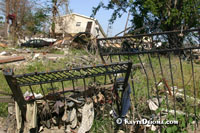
80 40
3 45
50 115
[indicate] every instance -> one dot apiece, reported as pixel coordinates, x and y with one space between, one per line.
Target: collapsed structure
75 23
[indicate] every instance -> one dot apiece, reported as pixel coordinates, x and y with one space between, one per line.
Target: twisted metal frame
134 48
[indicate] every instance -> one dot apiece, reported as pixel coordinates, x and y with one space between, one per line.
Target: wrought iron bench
61 78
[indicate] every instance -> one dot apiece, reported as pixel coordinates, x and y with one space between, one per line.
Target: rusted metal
151 34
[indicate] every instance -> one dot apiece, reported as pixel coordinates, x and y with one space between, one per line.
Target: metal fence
165 73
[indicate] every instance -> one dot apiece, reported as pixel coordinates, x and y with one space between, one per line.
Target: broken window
78 24
88 27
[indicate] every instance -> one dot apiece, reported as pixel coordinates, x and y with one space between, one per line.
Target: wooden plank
11 59
6 99
5 93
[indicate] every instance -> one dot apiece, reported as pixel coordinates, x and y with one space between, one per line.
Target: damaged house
75 23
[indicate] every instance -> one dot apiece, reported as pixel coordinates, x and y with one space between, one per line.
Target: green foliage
184 123
54 51
35 21
1 21
181 127
102 125
3 109
170 15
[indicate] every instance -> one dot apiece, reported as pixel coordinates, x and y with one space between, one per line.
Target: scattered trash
65 116
29 95
87 117
153 104
152 127
3 53
36 56
18 117
113 114
120 131
188 97
31 116
57 107
179 94
73 118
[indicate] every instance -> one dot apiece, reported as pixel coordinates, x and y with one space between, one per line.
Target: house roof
96 21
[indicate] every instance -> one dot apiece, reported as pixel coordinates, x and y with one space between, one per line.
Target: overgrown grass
140 81
55 51
4 49
141 86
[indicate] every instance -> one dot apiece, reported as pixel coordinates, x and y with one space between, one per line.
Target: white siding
67 24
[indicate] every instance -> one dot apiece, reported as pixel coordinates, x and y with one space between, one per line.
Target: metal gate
165 74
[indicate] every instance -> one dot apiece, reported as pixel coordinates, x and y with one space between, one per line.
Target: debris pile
65 113
3 43
80 40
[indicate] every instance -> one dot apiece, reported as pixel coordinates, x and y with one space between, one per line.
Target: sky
84 7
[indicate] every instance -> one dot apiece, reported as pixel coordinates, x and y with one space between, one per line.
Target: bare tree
56 4
16 12
54 12
4 10
22 8
16 8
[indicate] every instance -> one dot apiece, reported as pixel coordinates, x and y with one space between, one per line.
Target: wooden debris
87 117
11 59
6 99
3 45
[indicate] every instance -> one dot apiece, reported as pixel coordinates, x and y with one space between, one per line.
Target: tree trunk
6 14
54 12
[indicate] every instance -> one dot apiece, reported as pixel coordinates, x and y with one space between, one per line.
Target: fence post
16 91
